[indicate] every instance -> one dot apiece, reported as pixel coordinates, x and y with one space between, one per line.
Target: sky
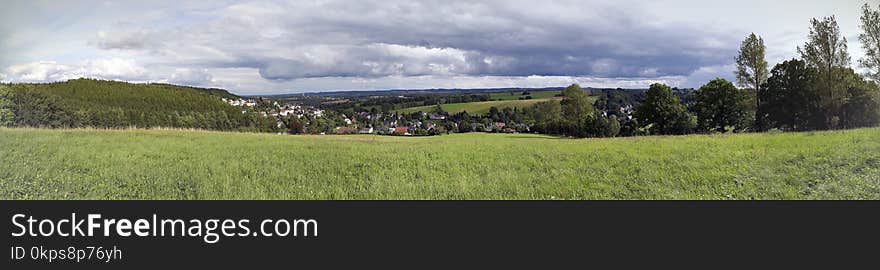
273 47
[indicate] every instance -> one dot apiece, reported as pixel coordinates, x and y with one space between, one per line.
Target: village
305 119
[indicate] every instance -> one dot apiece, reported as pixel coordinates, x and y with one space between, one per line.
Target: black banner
419 234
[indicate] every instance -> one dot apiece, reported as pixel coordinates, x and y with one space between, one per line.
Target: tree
663 112
720 105
826 50
7 117
870 39
547 111
295 126
629 127
597 126
790 98
613 127
862 107
751 67
576 105
547 116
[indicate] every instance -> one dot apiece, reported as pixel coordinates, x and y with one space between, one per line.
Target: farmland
476 107
515 95
176 164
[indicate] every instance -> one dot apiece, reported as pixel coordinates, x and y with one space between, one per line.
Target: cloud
708 73
286 46
294 40
188 76
127 40
39 72
47 71
372 60
247 78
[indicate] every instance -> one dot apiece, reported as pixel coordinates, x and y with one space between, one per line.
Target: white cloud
49 71
193 77
39 72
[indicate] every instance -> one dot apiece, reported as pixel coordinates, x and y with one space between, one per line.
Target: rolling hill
113 104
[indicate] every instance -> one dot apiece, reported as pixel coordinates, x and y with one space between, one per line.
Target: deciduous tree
870 39
576 105
720 106
751 66
826 50
663 112
790 98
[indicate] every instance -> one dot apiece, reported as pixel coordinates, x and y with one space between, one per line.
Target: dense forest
113 104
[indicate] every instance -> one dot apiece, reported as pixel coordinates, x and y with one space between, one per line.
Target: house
368 130
401 131
436 116
499 125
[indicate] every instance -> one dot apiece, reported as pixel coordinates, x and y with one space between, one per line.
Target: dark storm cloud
291 40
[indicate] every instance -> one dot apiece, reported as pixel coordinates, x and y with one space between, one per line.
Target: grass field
164 164
517 94
476 107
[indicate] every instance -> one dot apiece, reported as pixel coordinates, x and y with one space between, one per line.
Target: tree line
818 91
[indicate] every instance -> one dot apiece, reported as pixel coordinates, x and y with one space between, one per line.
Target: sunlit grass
176 164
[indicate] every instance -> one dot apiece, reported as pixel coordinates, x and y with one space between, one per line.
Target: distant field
157 164
476 107
515 95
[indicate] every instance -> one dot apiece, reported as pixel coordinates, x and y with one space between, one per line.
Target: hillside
102 95
110 104
162 164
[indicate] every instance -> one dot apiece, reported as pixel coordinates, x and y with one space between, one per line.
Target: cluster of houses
297 111
427 123
626 110
275 109
240 102
386 123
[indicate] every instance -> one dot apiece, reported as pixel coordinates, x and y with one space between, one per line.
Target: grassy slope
475 107
156 164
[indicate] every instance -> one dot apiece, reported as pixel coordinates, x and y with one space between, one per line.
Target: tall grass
174 164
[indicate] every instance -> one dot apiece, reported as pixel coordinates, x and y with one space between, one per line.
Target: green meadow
481 107
515 95
176 164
